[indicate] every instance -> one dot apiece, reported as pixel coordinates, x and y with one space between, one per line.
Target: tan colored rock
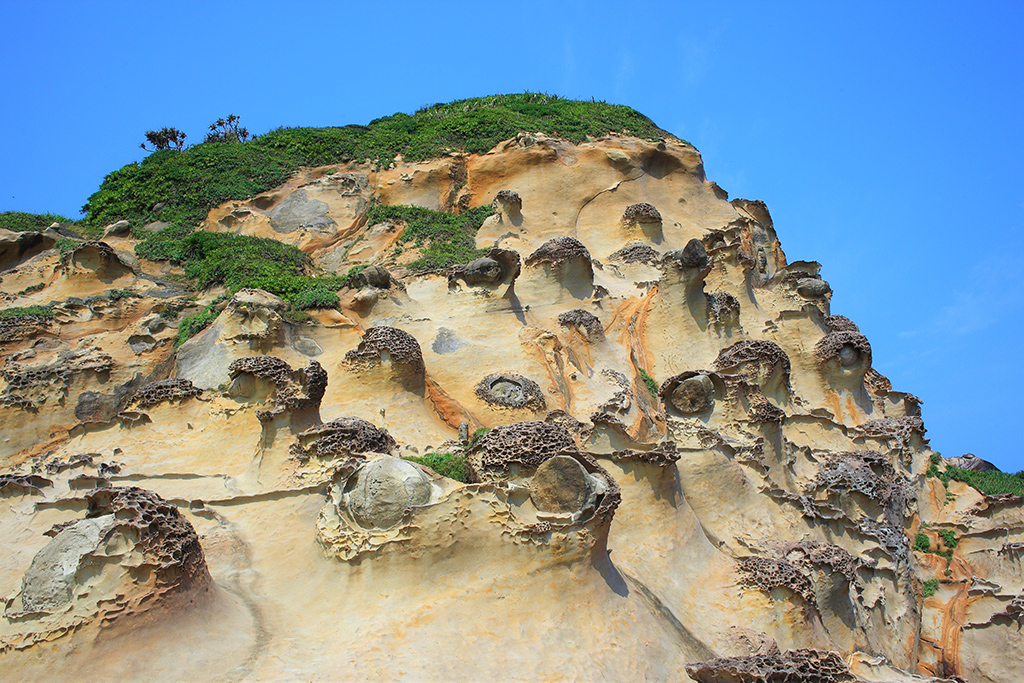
754 518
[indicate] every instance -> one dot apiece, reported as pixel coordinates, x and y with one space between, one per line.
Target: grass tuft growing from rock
444 238
989 483
451 465
649 382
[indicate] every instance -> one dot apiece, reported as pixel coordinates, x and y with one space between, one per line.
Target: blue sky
886 138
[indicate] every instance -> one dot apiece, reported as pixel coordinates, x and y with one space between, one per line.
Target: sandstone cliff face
238 507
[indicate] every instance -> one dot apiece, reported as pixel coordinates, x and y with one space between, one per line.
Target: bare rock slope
678 464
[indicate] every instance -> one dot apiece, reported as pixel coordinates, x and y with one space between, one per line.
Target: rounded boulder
380 492
561 485
693 395
482 271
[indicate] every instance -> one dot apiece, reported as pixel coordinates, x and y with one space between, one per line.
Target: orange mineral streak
547 349
448 409
631 317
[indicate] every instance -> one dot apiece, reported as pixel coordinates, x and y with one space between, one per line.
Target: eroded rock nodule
692 395
509 390
562 485
381 491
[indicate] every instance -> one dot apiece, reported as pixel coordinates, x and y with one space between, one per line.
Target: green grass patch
652 386
451 465
296 317
477 436
444 238
65 244
989 483
921 542
118 294
351 278
930 587
237 261
191 325
19 221
26 312
32 289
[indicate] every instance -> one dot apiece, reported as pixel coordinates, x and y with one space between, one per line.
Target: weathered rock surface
680 464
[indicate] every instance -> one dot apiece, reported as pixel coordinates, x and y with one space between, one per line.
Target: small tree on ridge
165 138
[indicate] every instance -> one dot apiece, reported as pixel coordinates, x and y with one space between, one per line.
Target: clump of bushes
948 537
930 587
165 138
989 483
921 542
451 465
27 311
118 294
227 130
19 221
237 261
444 238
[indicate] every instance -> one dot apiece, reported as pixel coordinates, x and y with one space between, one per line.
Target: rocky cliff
617 437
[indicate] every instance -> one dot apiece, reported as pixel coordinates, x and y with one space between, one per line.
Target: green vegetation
296 317
33 311
930 587
19 221
451 465
477 436
652 386
923 545
65 244
192 325
118 294
227 130
949 538
351 278
237 261
989 483
180 187
445 238
31 289
165 138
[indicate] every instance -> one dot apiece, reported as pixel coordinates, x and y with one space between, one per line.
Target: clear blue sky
886 138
